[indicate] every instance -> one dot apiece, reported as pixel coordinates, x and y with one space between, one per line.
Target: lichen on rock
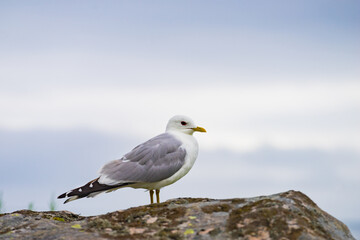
288 215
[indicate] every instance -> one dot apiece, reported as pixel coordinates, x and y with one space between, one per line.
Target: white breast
191 147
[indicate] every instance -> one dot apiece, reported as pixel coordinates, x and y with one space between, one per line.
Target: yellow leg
152 196
158 195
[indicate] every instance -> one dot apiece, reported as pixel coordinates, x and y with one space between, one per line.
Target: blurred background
275 83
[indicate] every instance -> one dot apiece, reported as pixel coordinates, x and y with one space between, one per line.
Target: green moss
271 216
215 232
238 201
295 233
119 222
191 200
5 231
66 216
265 217
135 217
299 198
216 208
189 231
76 226
167 233
100 224
58 219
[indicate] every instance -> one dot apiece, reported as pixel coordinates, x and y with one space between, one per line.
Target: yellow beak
199 129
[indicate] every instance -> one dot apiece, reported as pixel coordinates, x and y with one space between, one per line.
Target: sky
276 85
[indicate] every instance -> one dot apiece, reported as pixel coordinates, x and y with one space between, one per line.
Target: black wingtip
62 195
91 187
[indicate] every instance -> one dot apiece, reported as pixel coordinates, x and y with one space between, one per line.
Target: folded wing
155 160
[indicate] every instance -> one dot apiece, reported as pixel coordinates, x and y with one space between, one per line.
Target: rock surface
288 215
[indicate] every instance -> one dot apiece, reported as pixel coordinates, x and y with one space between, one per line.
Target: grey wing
152 161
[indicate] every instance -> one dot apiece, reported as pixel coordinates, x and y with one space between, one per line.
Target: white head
183 124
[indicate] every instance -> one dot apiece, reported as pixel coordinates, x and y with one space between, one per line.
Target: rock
288 215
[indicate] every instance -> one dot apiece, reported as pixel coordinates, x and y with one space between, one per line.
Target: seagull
152 165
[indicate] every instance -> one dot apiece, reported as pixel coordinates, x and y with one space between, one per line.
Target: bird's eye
183 123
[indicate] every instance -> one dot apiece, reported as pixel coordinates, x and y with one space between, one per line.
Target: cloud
238 117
